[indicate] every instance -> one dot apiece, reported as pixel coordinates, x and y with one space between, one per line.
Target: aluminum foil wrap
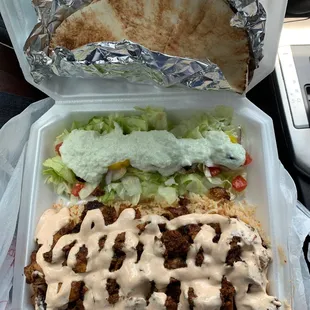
130 60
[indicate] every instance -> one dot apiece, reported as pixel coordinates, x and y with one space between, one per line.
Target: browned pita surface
198 29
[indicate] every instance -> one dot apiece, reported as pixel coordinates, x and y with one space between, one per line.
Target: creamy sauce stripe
134 278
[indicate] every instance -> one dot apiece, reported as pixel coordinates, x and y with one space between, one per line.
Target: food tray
263 189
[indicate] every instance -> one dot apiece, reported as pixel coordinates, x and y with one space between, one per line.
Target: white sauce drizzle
134 278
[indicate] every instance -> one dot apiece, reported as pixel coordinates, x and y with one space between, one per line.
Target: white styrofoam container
263 189
78 99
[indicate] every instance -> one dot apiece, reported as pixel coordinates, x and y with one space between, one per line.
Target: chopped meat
183 201
101 242
218 193
81 260
178 211
175 262
218 232
66 249
199 258
142 226
91 205
189 231
138 214
228 293
98 192
151 291
48 256
76 290
77 227
38 297
191 296
124 207
119 256
175 243
139 249
167 216
113 289
173 292
32 269
162 227
67 229
76 305
109 214
264 244
234 254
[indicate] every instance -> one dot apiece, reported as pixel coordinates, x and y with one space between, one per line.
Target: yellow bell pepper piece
119 165
233 139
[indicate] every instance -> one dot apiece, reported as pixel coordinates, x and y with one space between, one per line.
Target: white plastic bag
13 139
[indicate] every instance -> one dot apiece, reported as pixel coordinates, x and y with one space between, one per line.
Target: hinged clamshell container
78 99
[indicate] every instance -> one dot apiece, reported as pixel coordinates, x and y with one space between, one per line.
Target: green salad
147 156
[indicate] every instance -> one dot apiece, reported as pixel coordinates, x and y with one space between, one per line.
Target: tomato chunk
57 148
248 159
214 171
239 183
76 189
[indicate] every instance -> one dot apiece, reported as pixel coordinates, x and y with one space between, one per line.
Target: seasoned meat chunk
173 292
175 262
98 192
63 231
139 249
38 297
108 212
175 243
119 255
218 193
31 271
124 207
184 202
91 205
199 257
228 293
81 260
101 242
178 211
191 297
234 254
76 291
218 232
189 231
113 290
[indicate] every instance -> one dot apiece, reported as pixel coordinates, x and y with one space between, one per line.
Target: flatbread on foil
198 29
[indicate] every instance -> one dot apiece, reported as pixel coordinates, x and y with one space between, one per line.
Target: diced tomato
57 147
239 183
248 159
214 171
76 189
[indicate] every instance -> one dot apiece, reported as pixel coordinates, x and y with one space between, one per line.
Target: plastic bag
13 140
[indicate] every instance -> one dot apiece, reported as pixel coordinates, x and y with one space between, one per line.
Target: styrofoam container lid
20 18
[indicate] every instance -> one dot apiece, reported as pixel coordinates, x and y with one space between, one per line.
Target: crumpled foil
130 60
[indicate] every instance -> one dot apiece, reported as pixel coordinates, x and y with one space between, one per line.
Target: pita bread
197 29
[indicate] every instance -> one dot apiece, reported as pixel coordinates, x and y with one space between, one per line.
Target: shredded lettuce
168 194
58 174
218 119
